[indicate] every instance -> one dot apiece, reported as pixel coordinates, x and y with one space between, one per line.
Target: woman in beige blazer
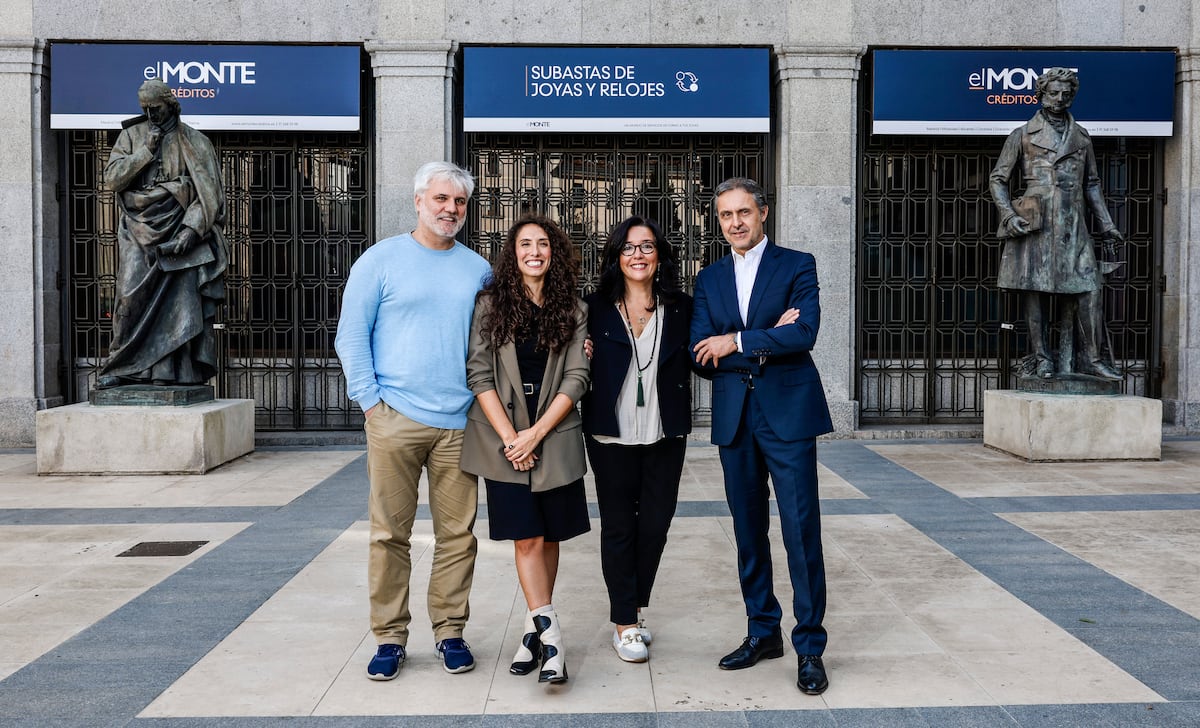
527 368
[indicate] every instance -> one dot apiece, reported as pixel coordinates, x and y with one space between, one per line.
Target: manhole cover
163 548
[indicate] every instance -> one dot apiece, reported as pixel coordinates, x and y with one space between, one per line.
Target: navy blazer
611 354
776 361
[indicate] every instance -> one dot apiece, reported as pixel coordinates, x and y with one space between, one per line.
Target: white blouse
640 425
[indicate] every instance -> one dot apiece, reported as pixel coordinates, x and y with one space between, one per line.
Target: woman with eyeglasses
637 416
526 366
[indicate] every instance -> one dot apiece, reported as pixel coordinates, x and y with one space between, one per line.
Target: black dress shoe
811 678
752 650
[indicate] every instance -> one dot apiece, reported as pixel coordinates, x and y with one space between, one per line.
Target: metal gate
934 331
590 182
299 212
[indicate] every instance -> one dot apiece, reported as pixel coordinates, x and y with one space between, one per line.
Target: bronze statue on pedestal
170 247
1048 251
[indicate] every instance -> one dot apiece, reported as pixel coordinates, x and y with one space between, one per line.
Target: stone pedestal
1047 427
86 439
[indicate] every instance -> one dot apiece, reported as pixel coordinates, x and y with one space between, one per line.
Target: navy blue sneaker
386 663
455 655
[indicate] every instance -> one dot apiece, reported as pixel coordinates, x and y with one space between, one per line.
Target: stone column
30 347
817 92
413 122
1181 260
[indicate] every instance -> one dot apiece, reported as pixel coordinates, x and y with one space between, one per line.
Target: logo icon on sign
687 82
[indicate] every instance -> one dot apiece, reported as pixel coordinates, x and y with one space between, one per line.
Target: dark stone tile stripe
250 514
97 516
829 507
109 672
1067 503
1151 640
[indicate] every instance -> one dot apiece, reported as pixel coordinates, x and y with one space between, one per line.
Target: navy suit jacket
610 363
775 360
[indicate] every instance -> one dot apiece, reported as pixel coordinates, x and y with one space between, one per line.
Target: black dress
514 511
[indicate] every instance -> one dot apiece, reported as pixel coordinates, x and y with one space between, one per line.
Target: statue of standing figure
170 247
1048 250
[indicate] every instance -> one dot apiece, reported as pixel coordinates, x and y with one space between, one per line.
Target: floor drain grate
163 548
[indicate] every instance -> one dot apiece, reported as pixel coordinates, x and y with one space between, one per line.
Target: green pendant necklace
641 397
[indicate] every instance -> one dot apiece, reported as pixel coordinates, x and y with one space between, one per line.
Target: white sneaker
629 645
644 632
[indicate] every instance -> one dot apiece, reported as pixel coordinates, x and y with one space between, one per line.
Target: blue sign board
239 87
616 89
1121 93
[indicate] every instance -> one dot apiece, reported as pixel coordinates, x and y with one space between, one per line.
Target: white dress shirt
745 270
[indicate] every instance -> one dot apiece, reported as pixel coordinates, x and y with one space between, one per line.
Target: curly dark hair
511 309
1057 73
612 282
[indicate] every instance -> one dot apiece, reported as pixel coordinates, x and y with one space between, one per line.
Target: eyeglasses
646 248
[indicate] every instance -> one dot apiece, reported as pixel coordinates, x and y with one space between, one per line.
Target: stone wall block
17 416
482 21
1154 25
686 22
419 21
1090 22
550 21
616 23
811 22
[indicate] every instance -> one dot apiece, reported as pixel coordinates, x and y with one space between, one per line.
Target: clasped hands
715 347
519 449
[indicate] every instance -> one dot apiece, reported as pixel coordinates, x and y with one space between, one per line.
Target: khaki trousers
397 449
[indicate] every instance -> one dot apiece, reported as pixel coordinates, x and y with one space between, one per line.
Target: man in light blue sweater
402 342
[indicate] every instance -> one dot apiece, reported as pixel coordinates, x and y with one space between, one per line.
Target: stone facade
818 46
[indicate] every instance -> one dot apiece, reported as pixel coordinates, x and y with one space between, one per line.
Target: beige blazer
561 460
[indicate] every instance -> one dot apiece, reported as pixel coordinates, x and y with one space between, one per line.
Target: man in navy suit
755 321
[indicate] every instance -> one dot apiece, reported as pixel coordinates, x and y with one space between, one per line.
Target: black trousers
637 488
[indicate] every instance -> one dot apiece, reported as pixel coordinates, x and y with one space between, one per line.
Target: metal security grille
590 182
299 211
933 328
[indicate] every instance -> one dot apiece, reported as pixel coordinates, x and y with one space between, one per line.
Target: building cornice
23 56
404 58
795 62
